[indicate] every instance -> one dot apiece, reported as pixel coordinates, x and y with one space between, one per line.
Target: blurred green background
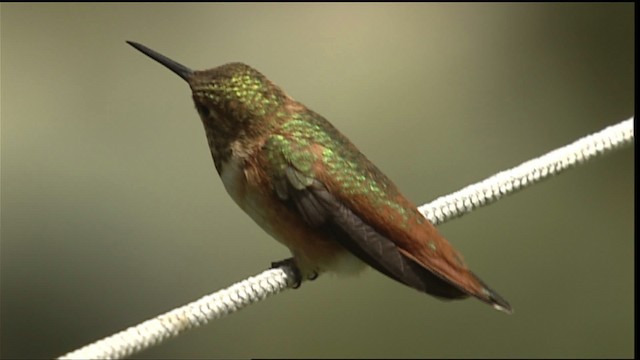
112 211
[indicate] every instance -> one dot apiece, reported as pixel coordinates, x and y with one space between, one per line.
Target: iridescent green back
355 175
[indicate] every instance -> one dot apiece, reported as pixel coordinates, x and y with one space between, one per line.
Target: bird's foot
290 263
312 276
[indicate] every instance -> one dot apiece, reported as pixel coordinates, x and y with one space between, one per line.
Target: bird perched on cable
311 189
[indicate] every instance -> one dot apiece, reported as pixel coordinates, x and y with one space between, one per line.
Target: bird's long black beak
181 70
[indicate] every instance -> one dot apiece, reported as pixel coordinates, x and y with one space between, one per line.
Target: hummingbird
309 187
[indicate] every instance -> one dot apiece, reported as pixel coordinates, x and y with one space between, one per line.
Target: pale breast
233 177
313 251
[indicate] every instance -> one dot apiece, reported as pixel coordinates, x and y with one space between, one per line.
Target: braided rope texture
197 313
273 281
528 173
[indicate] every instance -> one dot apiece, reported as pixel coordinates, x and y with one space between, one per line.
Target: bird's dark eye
202 110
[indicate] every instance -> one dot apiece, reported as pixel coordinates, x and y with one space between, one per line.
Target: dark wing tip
499 303
493 298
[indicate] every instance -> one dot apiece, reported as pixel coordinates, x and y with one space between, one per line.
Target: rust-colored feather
336 190
417 239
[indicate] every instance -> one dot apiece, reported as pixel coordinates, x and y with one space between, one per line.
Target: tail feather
492 298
